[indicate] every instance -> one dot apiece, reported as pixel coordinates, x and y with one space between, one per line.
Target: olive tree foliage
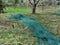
34 4
19 2
47 4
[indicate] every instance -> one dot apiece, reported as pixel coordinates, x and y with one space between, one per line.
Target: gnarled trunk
34 9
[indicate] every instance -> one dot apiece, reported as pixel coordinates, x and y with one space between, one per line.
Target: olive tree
34 5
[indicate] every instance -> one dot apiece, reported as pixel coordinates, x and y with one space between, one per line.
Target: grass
17 9
16 35
20 35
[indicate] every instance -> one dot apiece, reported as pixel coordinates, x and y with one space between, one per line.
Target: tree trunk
1 6
34 9
16 2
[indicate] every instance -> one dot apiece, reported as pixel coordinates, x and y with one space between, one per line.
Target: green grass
20 35
17 10
10 36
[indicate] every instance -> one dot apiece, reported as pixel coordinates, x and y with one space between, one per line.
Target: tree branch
37 2
30 2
